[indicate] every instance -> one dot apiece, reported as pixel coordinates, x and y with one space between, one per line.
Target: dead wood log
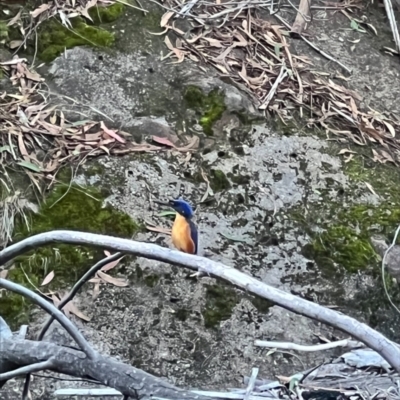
122 377
362 332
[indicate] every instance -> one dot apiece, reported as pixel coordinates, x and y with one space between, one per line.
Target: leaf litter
250 47
37 136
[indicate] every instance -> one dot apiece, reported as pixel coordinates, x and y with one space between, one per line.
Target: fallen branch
302 17
371 338
300 347
65 360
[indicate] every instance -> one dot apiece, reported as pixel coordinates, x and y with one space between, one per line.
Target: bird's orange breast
181 237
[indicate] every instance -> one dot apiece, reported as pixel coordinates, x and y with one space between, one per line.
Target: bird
184 233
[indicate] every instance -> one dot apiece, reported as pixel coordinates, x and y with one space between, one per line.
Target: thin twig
52 310
383 268
282 75
393 24
41 366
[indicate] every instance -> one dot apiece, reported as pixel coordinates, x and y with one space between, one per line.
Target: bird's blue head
180 206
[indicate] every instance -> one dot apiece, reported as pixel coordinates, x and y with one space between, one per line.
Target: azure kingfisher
184 232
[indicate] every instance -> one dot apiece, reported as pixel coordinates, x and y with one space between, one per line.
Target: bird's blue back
194 235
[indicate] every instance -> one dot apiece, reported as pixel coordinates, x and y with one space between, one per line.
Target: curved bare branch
362 332
52 310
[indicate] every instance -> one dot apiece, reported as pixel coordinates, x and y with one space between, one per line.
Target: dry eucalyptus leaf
49 277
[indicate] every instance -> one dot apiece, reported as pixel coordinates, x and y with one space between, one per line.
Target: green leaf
354 25
233 238
167 213
278 50
30 166
5 148
79 123
293 382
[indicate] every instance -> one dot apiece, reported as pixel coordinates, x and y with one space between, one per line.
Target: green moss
182 314
102 15
94 169
261 304
3 31
345 239
210 107
340 230
219 181
65 208
239 179
220 301
54 38
151 280
151 20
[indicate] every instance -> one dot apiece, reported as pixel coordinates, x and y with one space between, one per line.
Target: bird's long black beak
164 203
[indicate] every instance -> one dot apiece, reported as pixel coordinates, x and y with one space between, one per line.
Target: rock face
260 194
392 261
140 87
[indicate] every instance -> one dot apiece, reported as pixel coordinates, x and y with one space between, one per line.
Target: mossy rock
219 181
345 239
210 106
69 208
103 15
3 31
220 301
54 37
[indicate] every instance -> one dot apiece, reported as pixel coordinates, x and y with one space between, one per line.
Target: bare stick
300 347
362 332
76 288
48 364
302 17
393 24
282 75
52 310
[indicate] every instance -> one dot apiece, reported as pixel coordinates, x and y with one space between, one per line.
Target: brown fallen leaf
41 9
114 281
344 151
165 18
111 265
49 277
74 310
96 291
164 141
3 273
159 229
112 133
